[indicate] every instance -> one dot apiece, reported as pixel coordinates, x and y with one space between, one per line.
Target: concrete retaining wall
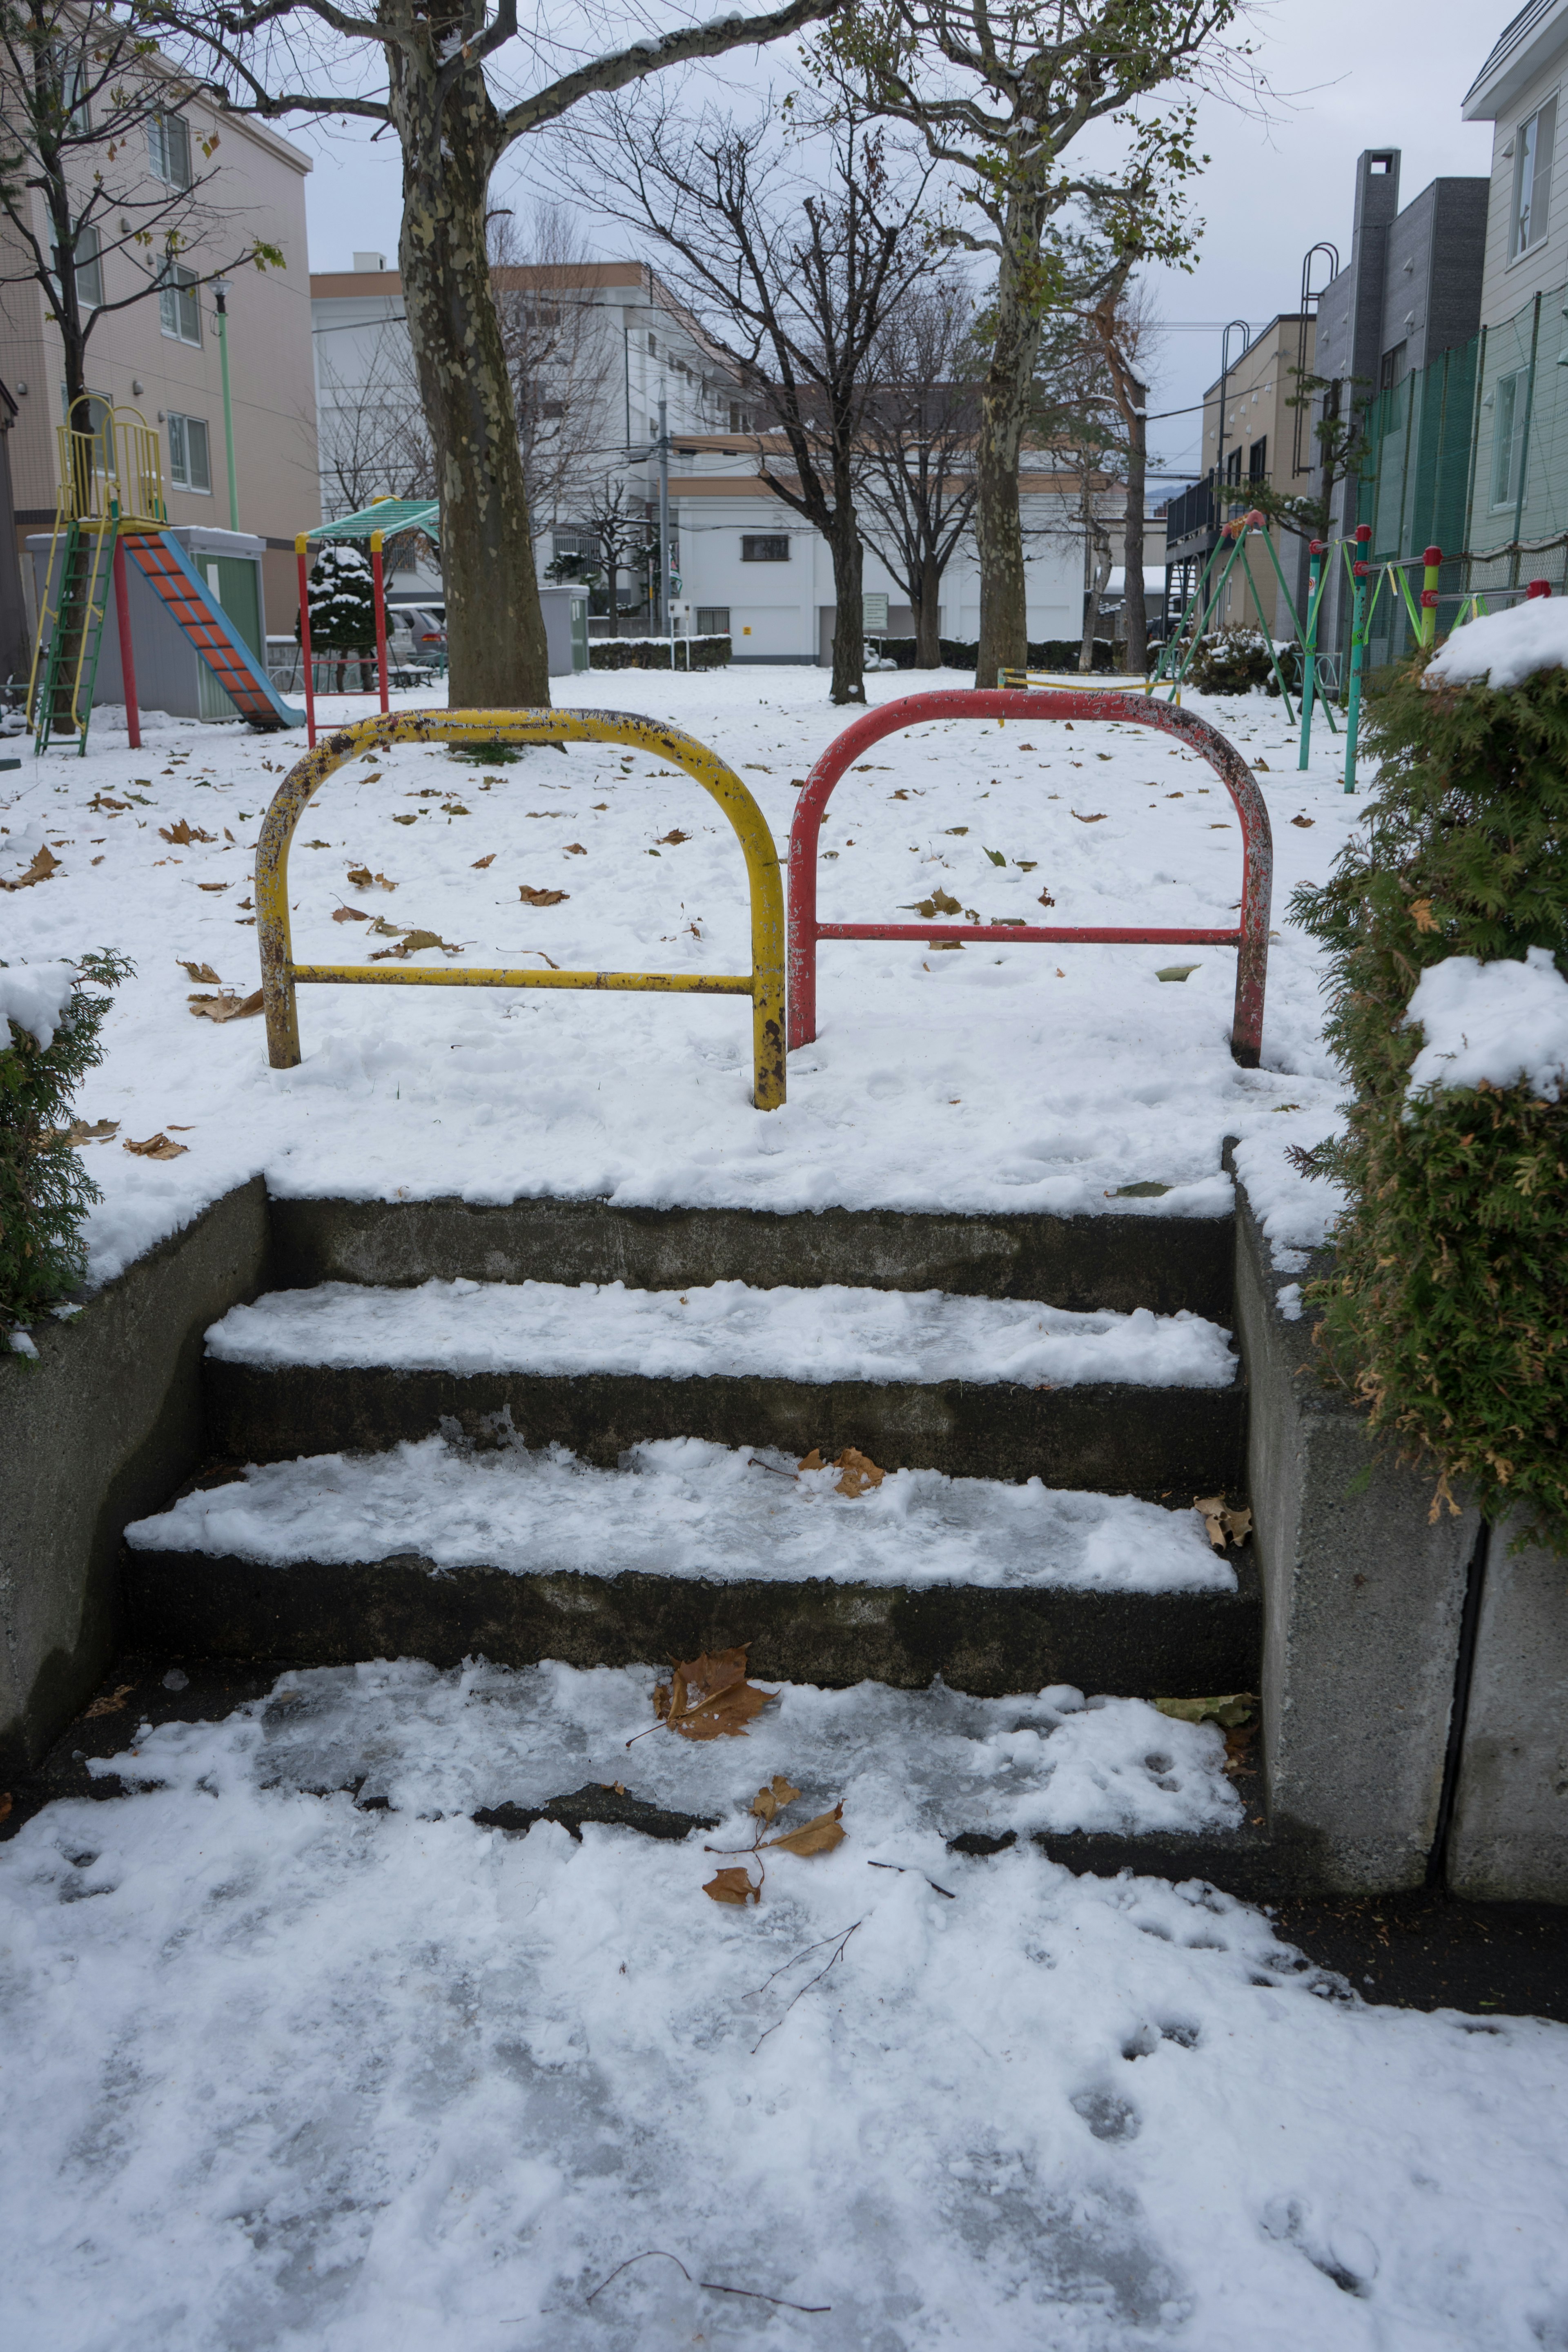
1363 1600
101 1429
1509 1840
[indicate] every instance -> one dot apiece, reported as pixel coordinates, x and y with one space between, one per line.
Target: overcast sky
1346 74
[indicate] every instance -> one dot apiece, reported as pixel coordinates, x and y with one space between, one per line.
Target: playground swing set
111 511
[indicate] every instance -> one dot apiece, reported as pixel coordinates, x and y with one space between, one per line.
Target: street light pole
220 296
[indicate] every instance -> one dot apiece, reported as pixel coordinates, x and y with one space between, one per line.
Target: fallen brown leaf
709 1697
411 943
769 1801
860 1473
1098 818
939 903
811 1461
362 878
1234 1708
481 863
670 839
227 1007
78 1132
574 849
533 898
211 885
1045 899
1303 819
44 863
350 915
110 1703
733 1885
198 971
412 818
182 832
155 1147
1221 1522
818 1836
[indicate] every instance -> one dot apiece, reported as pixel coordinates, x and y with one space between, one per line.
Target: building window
73 88
1257 461
1233 463
88 270
712 620
754 550
1392 368
179 311
169 149
1508 436
653 347
190 467
739 418
1533 144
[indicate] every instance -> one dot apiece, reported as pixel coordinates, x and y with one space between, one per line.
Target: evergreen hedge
653 653
1448 1311
44 1190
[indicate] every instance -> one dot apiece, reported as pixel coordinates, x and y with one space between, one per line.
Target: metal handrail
764 984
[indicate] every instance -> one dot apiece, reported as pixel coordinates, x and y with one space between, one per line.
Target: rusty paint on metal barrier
764 985
1249 936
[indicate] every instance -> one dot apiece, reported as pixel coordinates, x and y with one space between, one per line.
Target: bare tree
369 429
610 512
1001 94
105 202
917 480
796 288
558 355
424 68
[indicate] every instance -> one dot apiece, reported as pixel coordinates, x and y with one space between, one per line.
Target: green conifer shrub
44 1190
1448 1311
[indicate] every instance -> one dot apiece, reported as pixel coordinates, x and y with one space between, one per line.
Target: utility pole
667 608
220 296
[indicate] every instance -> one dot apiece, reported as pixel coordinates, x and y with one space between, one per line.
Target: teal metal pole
1358 650
220 295
1310 648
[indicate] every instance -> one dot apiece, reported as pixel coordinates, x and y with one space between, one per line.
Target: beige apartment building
1254 437
162 357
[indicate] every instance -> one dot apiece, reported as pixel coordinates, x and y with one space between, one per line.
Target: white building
749 566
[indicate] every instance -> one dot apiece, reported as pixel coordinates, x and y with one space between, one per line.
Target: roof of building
1526 45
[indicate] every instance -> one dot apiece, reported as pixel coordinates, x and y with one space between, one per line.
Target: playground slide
164 563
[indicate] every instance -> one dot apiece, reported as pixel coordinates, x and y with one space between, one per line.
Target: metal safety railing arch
1249 936
764 984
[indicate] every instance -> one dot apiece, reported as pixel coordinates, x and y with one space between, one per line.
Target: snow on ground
280 2072
685 1506
996 1077
831 1333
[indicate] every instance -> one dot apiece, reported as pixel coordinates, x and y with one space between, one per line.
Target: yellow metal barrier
764 984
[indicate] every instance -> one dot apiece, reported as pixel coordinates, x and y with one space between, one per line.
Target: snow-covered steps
439 1550
992 1388
1154 1250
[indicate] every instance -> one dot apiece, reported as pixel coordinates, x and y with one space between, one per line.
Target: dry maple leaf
772 1799
199 970
481 863
1045 899
1221 1522
211 885
1098 818
223 1008
350 915
672 838
733 1885
939 903
708 1698
811 1461
412 818
182 832
412 942
44 863
1303 819
574 849
860 1473
818 1836
533 898
110 1703
155 1147
103 1130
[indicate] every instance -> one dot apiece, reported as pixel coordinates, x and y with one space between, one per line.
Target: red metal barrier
1249 936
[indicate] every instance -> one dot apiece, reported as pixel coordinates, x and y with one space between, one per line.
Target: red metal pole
378 579
300 544
127 651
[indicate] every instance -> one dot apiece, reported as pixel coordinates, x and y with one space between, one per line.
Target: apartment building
748 565
1251 435
161 356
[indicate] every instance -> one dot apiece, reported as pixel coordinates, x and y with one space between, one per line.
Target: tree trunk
928 616
849 607
1133 605
497 656
999 532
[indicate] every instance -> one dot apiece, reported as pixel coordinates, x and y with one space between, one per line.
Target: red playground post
301 547
378 579
127 654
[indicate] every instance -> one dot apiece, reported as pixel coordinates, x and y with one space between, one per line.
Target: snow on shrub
49 1027
1232 660
1445 920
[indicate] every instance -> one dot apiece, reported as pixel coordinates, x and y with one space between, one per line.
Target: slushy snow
1505 1022
282 2073
1504 648
726 1329
684 1507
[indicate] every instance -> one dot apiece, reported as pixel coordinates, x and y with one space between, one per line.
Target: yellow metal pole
764 984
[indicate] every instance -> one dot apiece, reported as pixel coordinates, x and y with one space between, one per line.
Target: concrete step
1115 1402
434 1551
1135 1255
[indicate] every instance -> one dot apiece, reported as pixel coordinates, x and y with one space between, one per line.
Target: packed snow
1012 1078
684 1507
34 996
725 1329
1504 648
1503 1024
284 2072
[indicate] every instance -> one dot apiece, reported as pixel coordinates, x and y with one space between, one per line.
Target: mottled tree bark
1005 397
